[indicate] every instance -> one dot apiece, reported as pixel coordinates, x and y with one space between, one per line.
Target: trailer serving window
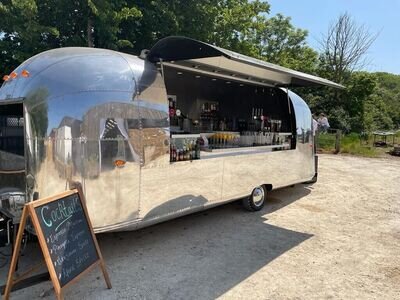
214 114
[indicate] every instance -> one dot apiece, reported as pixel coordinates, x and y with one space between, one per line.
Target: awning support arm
288 100
162 68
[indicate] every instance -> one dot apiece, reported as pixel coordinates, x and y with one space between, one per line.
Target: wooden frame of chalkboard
67 209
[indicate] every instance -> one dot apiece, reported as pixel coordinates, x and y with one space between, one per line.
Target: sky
382 17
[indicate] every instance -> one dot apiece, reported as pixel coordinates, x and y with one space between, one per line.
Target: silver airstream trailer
184 127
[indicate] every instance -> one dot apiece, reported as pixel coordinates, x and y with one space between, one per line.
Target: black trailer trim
183 50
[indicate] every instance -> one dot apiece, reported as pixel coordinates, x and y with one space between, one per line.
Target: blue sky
381 17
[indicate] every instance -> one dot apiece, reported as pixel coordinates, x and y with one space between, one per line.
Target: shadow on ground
202 255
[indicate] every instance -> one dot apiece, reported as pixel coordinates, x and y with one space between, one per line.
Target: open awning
192 55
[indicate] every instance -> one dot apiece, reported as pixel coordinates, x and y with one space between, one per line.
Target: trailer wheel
256 200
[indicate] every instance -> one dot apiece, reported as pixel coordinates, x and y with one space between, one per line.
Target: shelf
185 136
240 151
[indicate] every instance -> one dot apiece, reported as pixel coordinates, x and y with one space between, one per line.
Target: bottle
193 147
173 152
190 150
181 155
184 152
187 152
197 149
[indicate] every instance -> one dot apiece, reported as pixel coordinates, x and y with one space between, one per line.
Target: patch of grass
361 150
326 141
349 144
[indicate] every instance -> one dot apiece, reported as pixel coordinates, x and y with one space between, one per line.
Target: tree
376 114
387 97
344 48
28 27
238 25
104 19
359 88
343 53
21 33
231 24
283 44
92 23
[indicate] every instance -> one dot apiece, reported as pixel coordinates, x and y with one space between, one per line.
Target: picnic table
382 137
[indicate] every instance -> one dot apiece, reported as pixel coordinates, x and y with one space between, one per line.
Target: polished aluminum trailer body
68 100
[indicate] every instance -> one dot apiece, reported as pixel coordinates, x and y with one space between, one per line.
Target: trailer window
220 114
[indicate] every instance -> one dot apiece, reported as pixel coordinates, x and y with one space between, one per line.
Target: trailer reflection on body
183 127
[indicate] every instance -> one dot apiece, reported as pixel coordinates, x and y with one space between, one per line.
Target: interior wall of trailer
236 100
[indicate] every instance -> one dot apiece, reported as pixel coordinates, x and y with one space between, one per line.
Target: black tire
256 200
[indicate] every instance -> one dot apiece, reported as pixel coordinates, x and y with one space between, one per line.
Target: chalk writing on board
59 215
68 237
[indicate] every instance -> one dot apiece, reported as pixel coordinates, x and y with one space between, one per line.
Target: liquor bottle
173 152
187 152
180 154
184 152
197 149
193 147
189 147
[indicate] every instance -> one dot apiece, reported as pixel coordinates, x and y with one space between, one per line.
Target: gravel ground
336 239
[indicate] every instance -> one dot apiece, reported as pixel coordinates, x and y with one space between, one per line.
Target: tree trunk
89 32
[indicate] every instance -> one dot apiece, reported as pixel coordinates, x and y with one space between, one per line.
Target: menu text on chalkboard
68 237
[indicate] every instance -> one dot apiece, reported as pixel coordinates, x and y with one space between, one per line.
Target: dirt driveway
337 239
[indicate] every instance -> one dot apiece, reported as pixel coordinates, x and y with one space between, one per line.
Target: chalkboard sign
66 238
